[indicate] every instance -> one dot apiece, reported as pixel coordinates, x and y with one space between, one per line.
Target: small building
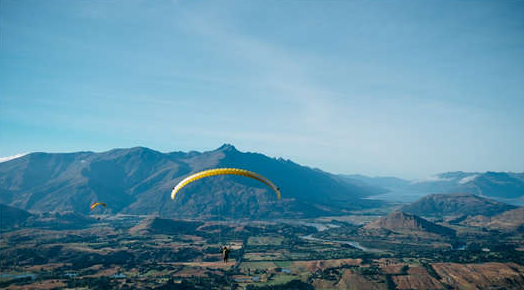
118 276
71 275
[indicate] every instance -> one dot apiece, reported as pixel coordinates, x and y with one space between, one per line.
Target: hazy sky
404 88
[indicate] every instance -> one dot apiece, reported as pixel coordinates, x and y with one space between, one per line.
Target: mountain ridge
455 204
138 180
499 185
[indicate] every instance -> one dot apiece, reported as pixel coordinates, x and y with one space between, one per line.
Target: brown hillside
507 221
405 223
511 219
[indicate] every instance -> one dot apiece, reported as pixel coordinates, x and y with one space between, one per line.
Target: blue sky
404 88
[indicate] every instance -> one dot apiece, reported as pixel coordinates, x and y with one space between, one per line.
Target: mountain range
139 181
499 185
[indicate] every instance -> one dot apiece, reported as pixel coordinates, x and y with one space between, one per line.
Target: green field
257 265
283 264
264 240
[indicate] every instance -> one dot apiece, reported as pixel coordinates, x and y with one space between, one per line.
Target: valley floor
312 254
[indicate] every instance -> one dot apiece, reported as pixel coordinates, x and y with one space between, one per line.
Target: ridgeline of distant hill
406 223
456 204
469 209
139 181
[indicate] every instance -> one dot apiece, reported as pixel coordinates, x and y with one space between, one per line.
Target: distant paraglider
224 171
94 205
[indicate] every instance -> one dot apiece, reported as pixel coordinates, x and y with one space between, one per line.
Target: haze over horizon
395 88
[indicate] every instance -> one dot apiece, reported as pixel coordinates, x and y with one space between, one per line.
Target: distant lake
399 196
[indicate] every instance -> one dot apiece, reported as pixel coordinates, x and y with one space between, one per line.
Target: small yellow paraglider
94 205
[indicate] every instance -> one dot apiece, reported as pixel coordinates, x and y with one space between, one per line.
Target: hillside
155 225
60 220
401 222
139 181
507 221
455 204
11 217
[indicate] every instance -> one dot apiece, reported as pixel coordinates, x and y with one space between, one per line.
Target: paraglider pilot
225 254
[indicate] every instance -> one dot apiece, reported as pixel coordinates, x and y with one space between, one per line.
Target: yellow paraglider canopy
97 204
222 171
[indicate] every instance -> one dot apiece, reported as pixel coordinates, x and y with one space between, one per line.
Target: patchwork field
262 255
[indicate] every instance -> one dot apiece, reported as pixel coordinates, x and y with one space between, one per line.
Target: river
351 243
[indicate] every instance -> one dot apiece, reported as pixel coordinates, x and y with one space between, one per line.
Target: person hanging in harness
225 254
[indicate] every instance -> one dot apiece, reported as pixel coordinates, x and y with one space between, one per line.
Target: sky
397 88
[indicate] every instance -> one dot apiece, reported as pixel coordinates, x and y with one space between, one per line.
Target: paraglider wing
97 204
222 171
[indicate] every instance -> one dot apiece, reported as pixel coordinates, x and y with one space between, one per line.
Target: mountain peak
227 147
141 149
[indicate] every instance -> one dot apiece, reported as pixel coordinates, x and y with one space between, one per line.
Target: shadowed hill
60 221
11 217
156 225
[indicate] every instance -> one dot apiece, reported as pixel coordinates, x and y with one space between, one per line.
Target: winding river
351 243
